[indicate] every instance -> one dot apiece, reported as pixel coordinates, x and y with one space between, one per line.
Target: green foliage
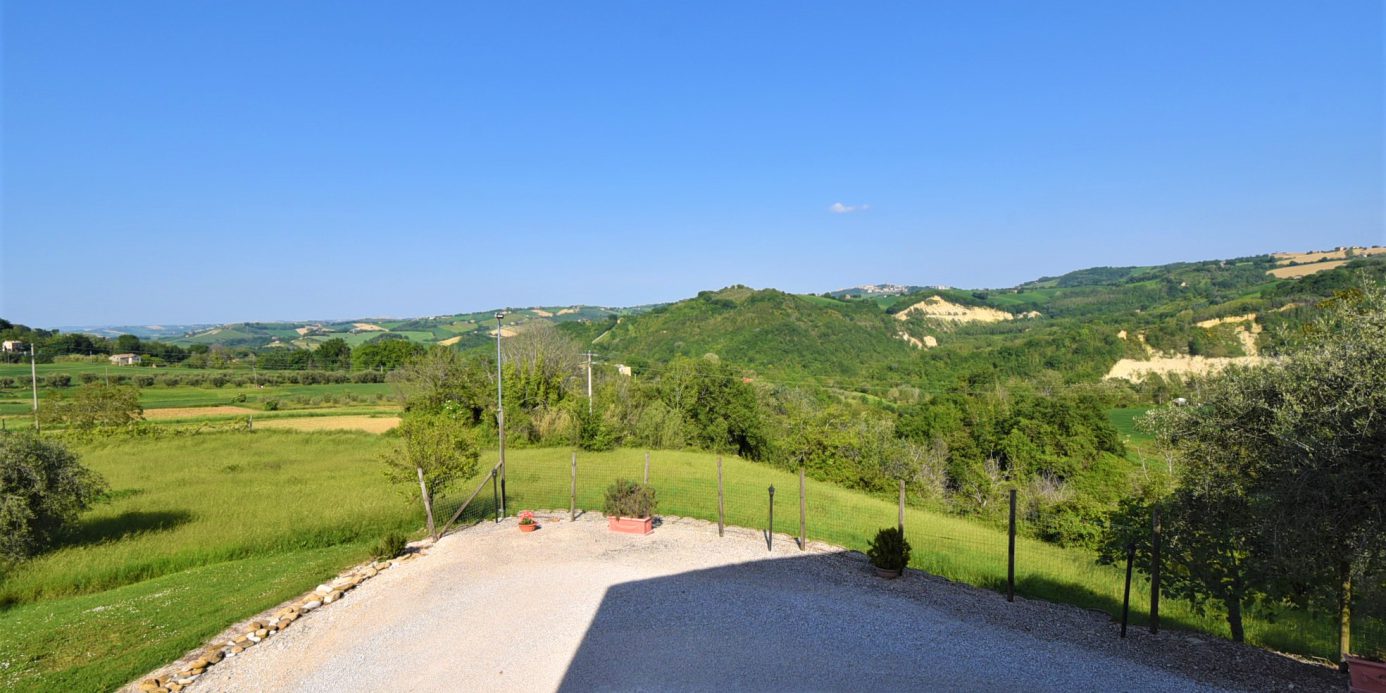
333 354
593 432
770 331
43 488
625 498
437 450
385 355
93 406
1303 433
889 550
391 544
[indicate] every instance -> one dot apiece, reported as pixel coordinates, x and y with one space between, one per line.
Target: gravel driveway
575 607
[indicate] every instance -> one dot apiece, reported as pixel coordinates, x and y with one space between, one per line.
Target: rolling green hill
764 330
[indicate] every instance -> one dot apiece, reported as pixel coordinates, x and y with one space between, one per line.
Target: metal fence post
572 493
1126 597
721 508
647 468
770 533
803 511
1010 555
1155 571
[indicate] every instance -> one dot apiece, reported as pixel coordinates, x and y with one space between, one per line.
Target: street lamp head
500 314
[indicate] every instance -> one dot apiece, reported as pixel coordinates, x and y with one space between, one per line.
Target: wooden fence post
803 511
647 467
721 510
900 521
572 493
1010 555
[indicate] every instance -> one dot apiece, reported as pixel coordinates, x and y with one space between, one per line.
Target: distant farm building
12 345
623 369
124 359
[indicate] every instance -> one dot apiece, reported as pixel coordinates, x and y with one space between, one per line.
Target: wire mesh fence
958 548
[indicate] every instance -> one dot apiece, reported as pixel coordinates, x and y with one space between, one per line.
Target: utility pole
500 411
33 375
589 356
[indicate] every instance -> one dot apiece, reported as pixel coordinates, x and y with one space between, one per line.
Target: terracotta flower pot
529 527
887 573
631 525
1366 676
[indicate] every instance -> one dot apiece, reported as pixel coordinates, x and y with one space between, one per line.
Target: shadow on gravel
820 622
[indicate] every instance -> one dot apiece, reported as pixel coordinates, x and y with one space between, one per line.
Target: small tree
437 450
93 406
43 489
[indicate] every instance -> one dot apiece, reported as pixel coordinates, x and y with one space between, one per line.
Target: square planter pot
1366 676
631 525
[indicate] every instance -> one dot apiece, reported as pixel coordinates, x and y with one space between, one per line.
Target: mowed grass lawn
201 531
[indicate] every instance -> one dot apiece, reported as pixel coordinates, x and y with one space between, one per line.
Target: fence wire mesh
964 549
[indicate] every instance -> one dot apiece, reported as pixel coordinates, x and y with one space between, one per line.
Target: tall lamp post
500 411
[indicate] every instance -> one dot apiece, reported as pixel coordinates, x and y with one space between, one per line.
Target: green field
201 531
17 403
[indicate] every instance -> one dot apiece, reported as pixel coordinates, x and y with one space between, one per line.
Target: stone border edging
236 639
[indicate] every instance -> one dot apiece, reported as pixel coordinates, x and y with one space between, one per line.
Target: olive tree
43 489
1283 468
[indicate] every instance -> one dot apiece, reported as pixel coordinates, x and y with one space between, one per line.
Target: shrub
240 397
889 550
43 489
144 380
271 405
59 380
625 498
389 546
87 378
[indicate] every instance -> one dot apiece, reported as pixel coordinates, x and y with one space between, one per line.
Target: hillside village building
124 359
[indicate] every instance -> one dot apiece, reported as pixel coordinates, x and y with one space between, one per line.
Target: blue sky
176 162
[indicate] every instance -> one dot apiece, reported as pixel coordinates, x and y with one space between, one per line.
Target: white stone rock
309 606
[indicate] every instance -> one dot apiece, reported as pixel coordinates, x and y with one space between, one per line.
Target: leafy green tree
385 355
437 451
333 354
126 344
1285 465
93 406
43 489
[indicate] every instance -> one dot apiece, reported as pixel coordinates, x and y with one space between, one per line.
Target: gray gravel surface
576 607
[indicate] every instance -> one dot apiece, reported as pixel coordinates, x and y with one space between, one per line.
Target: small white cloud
839 208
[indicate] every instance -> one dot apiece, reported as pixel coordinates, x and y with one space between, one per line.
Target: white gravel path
576 607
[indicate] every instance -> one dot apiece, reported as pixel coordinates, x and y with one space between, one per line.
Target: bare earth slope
575 607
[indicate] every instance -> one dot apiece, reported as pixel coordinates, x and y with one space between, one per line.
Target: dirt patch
541 312
1324 255
369 424
1294 271
190 412
1208 324
451 340
928 342
1136 370
938 308
367 327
